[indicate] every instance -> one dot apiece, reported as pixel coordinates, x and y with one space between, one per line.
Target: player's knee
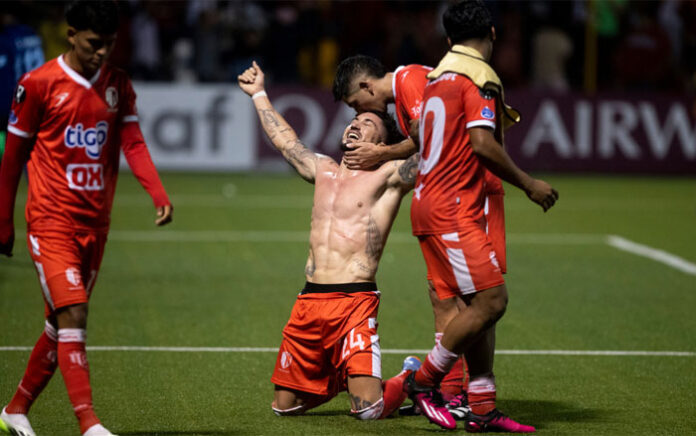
496 303
373 411
74 316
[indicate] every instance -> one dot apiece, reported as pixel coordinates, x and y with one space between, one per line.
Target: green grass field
226 272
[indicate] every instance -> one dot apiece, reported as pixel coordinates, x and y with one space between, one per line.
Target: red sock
42 364
72 360
438 363
393 393
453 383
482 395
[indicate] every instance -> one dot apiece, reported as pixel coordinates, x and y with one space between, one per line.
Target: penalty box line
385 351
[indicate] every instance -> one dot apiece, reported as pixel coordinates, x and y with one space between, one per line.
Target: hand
251 80
164 215
363 155
6 238
542 194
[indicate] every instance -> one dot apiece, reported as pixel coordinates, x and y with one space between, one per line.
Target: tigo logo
92 139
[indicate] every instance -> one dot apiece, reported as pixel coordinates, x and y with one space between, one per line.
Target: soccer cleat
97 430
495 421
393 389
459 407
411 363
410 410
15 424
429 400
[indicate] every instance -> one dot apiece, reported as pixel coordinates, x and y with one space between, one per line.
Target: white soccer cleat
15 424
97 430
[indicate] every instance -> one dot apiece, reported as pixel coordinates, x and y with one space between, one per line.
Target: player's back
408 85
74 162
450 182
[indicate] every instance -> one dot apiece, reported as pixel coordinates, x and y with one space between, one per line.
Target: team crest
285 360
20 94
73 276
111 97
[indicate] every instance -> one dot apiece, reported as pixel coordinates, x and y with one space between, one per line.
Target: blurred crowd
552 45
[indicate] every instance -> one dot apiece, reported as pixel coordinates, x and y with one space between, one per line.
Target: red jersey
408 84
450 185
74 163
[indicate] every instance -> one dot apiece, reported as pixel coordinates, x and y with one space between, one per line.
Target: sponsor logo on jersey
487 113
111 96
285 360
20 94
92 139
85 177
13 118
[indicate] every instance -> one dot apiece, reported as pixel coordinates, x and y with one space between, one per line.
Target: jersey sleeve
479 107
129 111
27 107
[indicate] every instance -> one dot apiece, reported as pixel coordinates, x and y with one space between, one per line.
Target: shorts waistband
311 288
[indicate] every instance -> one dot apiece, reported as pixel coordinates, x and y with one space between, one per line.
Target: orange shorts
67 265
329 336
495 227
462 262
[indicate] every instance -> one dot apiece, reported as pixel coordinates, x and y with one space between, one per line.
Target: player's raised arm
278 130
406 172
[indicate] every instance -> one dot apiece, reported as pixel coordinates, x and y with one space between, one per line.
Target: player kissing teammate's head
468 20
354 83
92 27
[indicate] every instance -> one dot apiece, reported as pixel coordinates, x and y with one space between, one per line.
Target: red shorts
67 265
461 262
329 336
494 210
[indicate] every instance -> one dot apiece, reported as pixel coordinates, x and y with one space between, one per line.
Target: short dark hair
99 16
393 134
467 20
352 67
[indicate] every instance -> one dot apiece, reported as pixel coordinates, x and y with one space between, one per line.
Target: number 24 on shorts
350 342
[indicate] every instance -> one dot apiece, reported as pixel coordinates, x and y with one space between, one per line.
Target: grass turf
565 294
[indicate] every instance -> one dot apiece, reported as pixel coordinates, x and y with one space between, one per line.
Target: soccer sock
72 360
482 394
453 383
42 364
438 363
393 393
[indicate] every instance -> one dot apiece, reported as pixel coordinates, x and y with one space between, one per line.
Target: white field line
387 351
655 254
303 236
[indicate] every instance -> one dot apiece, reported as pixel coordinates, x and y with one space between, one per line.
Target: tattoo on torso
373 248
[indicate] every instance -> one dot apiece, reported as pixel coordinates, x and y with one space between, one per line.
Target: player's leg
289 402
366 401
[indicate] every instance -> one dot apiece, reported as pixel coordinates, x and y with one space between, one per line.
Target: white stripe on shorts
454 237
376 356
44 285
461 270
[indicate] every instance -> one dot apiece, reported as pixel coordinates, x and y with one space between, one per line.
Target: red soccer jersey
408 84
449 192
73 165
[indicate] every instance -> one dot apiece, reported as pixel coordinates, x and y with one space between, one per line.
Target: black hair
350 68
393 134
467 20
99 16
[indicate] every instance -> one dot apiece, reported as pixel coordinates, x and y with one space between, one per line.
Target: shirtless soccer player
71 118
330 343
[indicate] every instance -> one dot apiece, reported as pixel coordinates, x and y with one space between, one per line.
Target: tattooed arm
278 130
405 173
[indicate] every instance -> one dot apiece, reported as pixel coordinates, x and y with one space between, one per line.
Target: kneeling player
330 343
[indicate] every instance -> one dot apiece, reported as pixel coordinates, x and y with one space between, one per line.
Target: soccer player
460 136
330 343
73 116
363 83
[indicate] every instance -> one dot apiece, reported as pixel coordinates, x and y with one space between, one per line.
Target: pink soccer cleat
495 421
430 402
